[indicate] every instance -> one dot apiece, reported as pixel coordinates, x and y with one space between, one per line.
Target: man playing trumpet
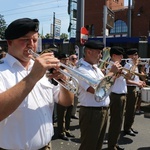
117 101
26 96
132 84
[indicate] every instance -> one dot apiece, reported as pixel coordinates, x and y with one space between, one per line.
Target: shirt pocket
45 90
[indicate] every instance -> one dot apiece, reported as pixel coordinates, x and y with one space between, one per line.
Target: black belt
131 86
122 94
96 108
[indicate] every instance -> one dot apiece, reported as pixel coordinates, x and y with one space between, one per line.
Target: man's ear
9 42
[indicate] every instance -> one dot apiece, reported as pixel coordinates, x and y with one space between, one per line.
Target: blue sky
41 9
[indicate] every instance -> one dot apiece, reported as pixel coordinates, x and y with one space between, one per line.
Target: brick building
140 17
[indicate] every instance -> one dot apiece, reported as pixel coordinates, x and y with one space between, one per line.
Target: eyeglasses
74 58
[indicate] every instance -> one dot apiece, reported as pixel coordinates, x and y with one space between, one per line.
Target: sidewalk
140 142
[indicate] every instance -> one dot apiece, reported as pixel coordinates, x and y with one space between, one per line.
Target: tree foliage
64 36
2 26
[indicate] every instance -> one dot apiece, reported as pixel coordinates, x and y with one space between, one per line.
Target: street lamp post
80 23
53 28
129 18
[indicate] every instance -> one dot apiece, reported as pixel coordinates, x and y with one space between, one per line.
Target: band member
74 59
117 101
26 96
93 115
64 113
132 95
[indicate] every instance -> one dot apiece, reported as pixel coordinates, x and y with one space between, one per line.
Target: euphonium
105 58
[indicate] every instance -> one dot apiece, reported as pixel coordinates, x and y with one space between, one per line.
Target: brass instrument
106 57
141 61
126 71
72 87
102 87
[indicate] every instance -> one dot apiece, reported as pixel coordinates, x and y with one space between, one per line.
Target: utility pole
104 24
129 18
80 23
53 28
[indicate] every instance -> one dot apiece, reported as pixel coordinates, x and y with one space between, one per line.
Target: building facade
140 17
93 18
135 19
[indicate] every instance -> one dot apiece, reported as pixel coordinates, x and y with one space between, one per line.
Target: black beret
63 55
132 51
21 27
117 50
94 45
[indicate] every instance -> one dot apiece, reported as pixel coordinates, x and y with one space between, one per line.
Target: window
120 27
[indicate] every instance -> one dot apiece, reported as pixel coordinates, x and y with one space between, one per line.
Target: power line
33 10
28 6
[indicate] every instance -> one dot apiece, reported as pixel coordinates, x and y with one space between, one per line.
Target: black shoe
75 117
129 132
69 134
63 136
119 148
134 131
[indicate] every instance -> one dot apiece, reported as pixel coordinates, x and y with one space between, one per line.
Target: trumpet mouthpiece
35 55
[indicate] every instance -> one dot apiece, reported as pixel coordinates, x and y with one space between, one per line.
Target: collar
12 61
85 63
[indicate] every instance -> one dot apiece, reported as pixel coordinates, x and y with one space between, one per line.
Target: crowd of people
31 99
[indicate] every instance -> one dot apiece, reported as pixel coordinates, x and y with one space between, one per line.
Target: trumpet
141 61
128 71
102 87
72 87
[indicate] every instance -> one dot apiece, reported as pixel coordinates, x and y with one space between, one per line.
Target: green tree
64 36
2 26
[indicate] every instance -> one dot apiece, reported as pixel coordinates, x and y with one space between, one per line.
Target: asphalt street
140 142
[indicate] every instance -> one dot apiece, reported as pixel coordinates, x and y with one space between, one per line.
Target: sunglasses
74 58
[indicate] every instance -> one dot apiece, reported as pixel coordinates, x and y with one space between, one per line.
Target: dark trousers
63 118
117 107
74 109
130 109
93 123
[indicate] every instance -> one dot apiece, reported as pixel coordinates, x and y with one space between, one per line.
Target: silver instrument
141 61
102 86
71 84
126 72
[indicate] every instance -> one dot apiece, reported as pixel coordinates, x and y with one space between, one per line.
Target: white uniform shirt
85 98
30 126
147 66
128 65
119 86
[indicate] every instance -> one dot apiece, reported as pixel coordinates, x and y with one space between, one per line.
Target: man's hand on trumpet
116 68
55 73
42 63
